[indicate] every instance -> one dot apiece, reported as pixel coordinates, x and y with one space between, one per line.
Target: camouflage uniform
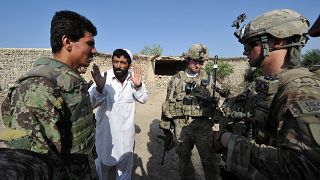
293 151
189 106
50 109
286 109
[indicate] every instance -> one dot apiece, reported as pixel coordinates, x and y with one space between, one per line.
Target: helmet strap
264 53
294 49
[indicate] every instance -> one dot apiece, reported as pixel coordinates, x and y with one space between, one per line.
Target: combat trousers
195 132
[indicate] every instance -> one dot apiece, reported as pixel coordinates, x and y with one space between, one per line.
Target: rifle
216 100
168 142
215 67
238 114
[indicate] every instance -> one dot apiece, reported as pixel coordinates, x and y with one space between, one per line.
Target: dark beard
120 74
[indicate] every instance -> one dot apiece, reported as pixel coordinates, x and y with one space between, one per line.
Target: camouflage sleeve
294 154
33 110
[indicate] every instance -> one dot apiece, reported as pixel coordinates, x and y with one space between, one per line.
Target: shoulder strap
58 73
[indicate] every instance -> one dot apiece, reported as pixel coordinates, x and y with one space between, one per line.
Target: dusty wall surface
15 62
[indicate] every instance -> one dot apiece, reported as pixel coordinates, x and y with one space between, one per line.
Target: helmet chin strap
294 49
264 52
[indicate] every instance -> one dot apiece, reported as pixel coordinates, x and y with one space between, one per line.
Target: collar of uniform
57 64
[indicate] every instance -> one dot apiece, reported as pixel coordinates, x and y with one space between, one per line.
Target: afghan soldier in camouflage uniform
291 119
189 107
48 111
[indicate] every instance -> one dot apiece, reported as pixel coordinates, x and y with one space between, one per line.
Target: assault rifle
215 74
216 100
168 143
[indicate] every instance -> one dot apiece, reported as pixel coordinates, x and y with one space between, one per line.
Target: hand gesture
98 79
137 78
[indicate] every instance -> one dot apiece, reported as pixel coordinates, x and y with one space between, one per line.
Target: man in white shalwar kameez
115 93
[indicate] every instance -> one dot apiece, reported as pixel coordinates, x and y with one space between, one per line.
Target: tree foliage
251 74
224 69
311 57
152 50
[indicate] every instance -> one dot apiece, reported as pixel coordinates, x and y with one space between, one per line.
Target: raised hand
137 78
98 79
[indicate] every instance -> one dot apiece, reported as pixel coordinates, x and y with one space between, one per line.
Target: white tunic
115 127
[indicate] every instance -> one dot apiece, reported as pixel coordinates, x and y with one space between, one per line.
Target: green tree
152 50
224 69
311 57
251 74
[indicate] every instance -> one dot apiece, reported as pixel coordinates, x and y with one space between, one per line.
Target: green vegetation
311 57
252 74
224 69
153 50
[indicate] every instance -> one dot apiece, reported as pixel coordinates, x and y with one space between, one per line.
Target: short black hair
121 52
71 24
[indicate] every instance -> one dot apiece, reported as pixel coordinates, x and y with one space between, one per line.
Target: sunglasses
248 46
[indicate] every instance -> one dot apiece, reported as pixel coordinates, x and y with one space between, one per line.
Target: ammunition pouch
165 125
189 106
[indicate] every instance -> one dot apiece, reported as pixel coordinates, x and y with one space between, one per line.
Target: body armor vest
77 125
253 104
192 97
260 102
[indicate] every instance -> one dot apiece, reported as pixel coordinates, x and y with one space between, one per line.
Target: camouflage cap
314 31
280 23
197 52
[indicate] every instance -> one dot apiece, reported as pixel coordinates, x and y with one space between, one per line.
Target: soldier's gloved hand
217 144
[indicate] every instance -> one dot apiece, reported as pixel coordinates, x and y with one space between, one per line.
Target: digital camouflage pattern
188 96
190 133
189 106
247 113
280 23
293 151
197 52
52 106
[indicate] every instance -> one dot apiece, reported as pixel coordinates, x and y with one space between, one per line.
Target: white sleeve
96 98
141 95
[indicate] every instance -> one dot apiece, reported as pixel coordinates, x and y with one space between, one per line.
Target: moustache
118 70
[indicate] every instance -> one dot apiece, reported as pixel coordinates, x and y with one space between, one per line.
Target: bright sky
132 24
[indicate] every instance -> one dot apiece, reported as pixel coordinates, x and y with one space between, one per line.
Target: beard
120 74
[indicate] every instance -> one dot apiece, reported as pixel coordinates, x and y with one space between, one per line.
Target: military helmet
197 52
280 23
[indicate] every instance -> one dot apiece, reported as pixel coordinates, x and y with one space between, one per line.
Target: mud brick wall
14 62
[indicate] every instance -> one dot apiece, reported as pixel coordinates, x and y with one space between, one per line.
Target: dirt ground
149 148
